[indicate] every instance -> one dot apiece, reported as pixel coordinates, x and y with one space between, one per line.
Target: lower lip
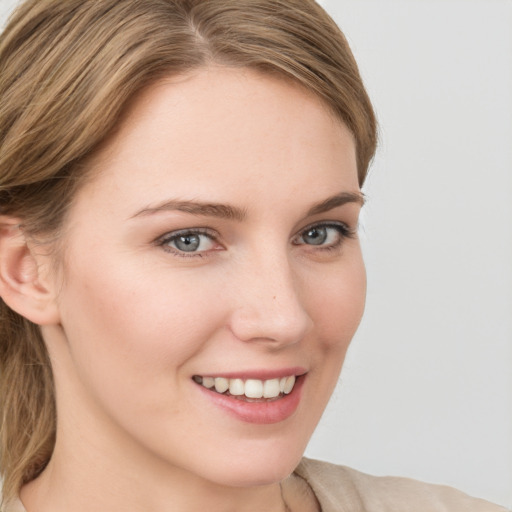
258 412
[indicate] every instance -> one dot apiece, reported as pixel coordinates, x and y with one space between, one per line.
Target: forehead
232 129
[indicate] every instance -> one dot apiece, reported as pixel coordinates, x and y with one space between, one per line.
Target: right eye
188 242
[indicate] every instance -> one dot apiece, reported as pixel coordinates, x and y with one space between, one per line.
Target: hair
68 71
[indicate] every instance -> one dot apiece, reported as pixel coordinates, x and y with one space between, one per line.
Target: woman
179 263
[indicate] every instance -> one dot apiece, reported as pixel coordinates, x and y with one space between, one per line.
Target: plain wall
426 390
427 387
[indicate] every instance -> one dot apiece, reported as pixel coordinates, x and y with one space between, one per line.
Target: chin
257 467
253 476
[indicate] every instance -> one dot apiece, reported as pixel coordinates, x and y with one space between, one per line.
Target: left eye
323 235
189 242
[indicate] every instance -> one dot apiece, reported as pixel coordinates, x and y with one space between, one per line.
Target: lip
260 413
265 374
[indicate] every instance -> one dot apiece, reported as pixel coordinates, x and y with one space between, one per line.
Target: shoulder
341 488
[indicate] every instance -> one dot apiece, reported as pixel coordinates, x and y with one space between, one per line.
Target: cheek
338 305
127 322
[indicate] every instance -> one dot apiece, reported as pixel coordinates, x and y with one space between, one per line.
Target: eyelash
344 232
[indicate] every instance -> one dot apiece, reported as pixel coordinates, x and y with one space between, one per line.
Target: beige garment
341 489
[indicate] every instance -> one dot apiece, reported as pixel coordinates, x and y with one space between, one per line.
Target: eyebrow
223 211
335 201
226 211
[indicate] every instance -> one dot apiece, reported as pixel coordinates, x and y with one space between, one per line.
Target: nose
268 302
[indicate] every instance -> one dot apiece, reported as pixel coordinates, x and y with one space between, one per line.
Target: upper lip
259 374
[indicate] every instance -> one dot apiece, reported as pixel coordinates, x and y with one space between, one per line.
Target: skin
137 319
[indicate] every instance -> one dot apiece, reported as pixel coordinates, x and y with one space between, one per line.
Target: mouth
249 390
257 396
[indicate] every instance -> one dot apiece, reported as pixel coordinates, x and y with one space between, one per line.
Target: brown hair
68 69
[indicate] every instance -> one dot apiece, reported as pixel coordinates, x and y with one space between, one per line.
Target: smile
250 389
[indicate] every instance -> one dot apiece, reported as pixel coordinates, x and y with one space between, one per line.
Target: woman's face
216 243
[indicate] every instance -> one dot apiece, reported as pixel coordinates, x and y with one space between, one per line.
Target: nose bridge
268 302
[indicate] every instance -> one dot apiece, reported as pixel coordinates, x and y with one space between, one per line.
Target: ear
25 284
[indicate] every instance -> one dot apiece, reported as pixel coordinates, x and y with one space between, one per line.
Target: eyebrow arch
230 212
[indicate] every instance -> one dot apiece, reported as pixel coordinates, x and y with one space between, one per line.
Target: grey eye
187 243
324 235
315 236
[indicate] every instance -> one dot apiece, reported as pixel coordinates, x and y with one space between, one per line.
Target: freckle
274 297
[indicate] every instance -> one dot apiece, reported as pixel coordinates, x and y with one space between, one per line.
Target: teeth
271 388
288 385
236 387
208 382
221 384
251 388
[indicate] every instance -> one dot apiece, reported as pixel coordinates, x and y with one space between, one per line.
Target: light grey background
427 387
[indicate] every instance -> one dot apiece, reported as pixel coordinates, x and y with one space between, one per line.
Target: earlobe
21 285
